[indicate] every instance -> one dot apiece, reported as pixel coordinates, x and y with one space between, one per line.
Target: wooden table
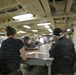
39 58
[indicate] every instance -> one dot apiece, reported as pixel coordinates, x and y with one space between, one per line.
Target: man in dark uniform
29 46
63 53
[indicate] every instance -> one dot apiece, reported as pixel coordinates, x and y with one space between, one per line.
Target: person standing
63 53
10 52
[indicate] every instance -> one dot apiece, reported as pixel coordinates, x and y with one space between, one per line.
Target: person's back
10 52
66 51
10 55
63 53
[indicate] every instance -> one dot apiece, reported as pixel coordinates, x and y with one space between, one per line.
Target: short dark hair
10 31
25 37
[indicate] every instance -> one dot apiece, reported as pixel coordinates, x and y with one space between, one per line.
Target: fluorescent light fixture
20 31
47 26
68 30
23 17
28 27
2 33
50 33
35 35
34 30
50 30
42 24
40 36
43 34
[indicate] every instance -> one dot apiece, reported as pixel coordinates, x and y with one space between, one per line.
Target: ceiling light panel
42 24
26 26
20 31
23 17
47 26
50 30
34 30
68 30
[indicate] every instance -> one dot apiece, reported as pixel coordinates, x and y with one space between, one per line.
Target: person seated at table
10 52
63 52
29 45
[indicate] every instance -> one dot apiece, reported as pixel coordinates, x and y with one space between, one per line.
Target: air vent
56 0
19 6
59 18
2 12
59 0
50 0
73 8
53 10
12 10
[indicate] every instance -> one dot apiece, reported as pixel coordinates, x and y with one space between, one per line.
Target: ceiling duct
15 8
57 7
50 0
35 7
53 10
2 12
59 18
12 10
59 0
56 0
73 8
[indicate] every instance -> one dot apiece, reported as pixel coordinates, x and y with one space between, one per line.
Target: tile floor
36 71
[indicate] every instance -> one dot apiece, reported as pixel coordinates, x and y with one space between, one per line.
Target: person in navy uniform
29 45
63 53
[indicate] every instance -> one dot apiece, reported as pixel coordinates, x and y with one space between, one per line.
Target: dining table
39 57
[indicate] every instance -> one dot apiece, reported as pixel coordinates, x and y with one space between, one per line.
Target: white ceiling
60 13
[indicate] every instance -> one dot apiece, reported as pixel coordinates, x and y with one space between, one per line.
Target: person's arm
30 48
26 48
23 53
55 51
